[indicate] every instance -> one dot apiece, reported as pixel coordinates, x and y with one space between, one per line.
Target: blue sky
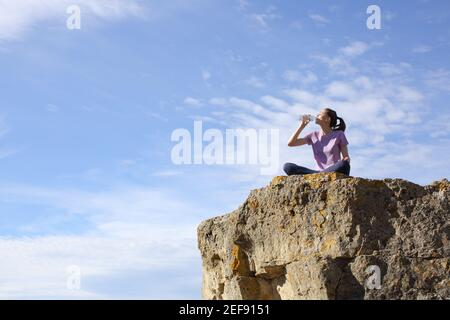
86 119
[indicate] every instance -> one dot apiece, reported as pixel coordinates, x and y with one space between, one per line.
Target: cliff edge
330 236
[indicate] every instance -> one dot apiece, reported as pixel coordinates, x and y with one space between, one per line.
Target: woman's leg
293 169
342 166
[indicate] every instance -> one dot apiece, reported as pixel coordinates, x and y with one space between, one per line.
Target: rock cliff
330 236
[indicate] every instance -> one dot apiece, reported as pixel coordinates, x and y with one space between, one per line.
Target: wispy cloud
389 15
242 4
193 102
206 75
255 82
390 69
167 173
438 79
37 267
6 151
319 19
19 16
422 49
341 63
261 19
52 108
134 228
306 77
356 48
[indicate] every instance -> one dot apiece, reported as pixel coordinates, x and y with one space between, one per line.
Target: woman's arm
344 151
293 140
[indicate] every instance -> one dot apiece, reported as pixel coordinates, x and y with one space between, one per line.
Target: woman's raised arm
294 141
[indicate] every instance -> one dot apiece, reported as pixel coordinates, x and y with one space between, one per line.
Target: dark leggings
342 166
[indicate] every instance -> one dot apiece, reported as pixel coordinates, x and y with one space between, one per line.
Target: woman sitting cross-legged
328 144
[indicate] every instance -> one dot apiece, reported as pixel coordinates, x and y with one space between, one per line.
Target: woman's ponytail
336 123
341 125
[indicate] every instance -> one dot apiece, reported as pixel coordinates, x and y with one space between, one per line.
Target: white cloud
4 130
255 82
262 20
243 4
218 101
37 267
338 64
306 78
407 94
388 15
296 25
167 173
125 203
52 108
247 105
135 228
355 49
390 103
438 79
206 75
340 89
7 152
193 102
401 159
389 69
422 49
342 62
301 96
440 127
319 19
156 115
19 16
276 103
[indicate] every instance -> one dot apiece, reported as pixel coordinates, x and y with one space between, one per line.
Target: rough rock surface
323 236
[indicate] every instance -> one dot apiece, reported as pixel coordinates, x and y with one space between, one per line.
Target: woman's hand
305 120
346 159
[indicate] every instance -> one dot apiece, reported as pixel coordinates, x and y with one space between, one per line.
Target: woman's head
329 118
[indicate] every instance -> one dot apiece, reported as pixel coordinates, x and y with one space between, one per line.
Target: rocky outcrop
330 236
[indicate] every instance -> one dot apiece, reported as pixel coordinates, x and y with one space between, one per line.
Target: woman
328 144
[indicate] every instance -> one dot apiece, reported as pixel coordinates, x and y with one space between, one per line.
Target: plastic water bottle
311 118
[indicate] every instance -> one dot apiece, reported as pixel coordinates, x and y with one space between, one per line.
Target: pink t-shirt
327 148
